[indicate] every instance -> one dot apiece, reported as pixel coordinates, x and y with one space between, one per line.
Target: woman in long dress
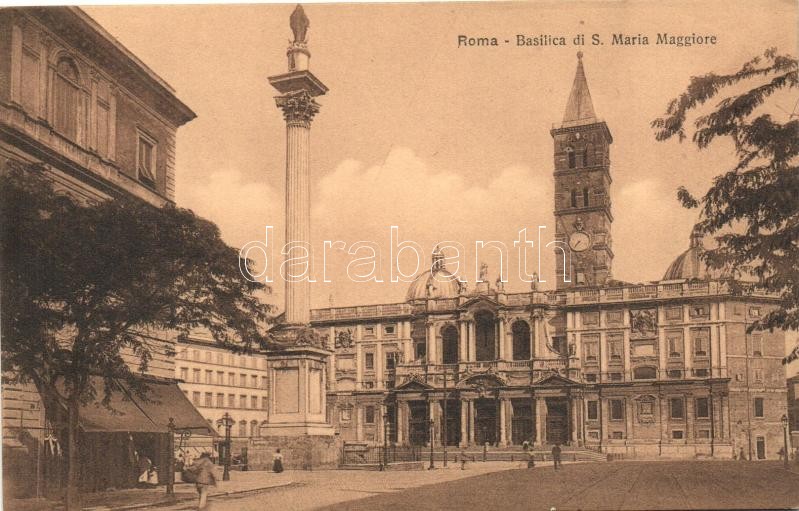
277 462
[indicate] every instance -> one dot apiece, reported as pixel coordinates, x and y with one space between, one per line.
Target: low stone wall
299 452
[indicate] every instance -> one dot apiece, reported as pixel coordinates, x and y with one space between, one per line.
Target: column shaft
298 221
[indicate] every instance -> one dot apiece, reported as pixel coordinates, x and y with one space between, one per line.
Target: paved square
611 486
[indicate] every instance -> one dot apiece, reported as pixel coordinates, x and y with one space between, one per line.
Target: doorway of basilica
557 421
522 424
485 421
453 422
418 424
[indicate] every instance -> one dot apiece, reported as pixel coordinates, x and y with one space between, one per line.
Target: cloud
651 231
359 202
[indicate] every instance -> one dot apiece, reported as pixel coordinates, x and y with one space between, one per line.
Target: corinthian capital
298 106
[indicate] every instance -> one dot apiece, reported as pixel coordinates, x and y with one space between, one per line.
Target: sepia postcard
372 256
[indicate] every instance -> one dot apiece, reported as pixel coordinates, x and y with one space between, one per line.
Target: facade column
688 347
432 355
472 421
502 343
472 342
359 361
379 369
379 423
540 417
503 434
463 342
407 342
464 422
722 340
331 366
573 425
663 347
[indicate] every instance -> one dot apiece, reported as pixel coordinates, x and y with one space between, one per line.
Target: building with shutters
100 124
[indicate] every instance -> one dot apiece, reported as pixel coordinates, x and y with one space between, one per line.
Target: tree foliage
752 209
88 287
89 280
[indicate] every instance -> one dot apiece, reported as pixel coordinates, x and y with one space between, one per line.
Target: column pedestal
297 398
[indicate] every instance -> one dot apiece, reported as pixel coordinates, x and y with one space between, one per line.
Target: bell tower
582 191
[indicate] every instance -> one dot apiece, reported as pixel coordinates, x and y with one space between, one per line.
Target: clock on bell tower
582 191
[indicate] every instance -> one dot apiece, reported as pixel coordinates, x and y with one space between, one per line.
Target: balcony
650 292
363 312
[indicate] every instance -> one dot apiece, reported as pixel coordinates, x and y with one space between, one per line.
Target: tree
751 209
81 282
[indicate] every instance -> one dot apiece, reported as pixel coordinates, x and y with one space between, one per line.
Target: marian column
298 87
298 360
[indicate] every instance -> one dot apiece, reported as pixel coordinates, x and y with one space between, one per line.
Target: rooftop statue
299 24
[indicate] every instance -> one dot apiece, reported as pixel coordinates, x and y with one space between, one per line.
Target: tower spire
579 108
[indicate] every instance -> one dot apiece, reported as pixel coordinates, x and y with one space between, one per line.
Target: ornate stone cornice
298 107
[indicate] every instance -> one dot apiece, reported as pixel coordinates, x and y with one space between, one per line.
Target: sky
446 143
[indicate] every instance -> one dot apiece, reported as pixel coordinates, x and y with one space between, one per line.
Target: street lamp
432 431
785 437
228 422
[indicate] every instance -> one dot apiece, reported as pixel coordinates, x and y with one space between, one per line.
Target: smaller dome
689 265
438 283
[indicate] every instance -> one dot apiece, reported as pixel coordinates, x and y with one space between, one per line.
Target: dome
435 283
438 284
689 265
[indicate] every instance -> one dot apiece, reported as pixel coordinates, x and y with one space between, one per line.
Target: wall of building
208 371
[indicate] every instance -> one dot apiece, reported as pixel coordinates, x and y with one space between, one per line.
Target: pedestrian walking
205 477
741 455
277 462
530 459
556 456
463 458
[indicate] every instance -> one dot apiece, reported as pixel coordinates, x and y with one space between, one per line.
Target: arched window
588 155
243 428
644 373
65 99
254 429
449 345
521 340
485 342
571 157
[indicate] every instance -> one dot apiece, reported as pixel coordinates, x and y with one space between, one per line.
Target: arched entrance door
449 345
485 341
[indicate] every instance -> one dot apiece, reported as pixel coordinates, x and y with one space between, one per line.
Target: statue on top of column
299 24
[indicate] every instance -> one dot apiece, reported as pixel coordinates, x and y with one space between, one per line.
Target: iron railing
360 454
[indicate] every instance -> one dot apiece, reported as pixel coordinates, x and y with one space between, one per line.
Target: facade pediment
480 303
484 381
414 383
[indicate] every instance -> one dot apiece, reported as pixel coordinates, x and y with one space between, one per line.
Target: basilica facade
665 368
